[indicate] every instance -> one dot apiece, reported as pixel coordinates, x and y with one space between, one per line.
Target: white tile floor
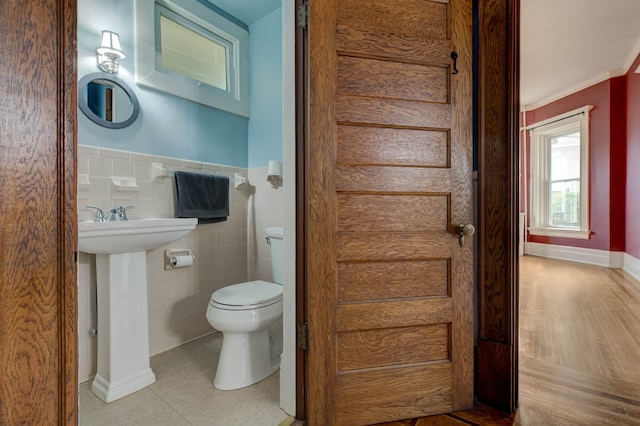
183 394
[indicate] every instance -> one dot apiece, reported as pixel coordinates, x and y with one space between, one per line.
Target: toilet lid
248 294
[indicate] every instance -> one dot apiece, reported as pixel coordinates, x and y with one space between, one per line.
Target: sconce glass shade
109 52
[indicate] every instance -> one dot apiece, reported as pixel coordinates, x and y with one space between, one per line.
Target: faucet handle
123 212
118 213
99 213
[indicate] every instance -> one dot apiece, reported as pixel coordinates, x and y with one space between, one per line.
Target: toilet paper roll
181 261
275 168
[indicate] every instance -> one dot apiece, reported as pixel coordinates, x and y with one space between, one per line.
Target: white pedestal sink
123 322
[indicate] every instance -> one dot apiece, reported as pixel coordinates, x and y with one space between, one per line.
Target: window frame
163 12
148 60
540 135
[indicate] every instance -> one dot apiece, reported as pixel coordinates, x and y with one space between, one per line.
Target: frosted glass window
187 49
192 54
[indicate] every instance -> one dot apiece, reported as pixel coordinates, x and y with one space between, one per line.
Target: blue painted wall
266 103
167 125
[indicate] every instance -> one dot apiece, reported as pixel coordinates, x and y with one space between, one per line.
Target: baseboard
609 259
632 266
289 421
288 382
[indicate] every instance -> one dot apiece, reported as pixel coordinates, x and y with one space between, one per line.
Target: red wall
606 152
614 162
632 233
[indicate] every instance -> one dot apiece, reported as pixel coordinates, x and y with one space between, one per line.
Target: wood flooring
579 350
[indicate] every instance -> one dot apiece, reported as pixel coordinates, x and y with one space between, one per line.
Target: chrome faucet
116 214
99 214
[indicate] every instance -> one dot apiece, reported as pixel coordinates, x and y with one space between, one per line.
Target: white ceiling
248 11
568 45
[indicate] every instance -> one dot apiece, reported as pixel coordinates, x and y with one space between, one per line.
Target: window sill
562 233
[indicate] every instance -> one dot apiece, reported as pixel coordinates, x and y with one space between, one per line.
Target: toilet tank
274 235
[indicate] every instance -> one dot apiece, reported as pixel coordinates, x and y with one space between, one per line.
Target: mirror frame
82 103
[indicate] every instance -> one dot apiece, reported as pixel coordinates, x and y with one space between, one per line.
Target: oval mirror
107 100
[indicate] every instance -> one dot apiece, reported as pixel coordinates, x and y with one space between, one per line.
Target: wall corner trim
608 259
632 266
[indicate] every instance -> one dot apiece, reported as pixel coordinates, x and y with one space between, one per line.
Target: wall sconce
109 52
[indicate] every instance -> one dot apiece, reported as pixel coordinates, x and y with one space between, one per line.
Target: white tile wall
226 253
265 209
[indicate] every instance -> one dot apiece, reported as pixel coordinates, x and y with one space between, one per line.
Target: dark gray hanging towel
203 196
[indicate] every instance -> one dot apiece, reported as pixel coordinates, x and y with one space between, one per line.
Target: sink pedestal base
123 325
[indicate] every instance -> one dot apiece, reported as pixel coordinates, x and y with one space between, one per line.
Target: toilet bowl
249 315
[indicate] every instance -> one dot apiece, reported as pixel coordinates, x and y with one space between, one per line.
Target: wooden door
38 293
389 146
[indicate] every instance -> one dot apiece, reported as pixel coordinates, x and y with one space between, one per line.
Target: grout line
169 404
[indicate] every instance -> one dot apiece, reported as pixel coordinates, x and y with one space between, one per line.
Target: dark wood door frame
38 233
498 129
301 74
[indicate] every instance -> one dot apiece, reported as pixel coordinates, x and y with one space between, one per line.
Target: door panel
382 179
387 146
389 162
371 213
426 18
385 347
392 280
392 246
361 401
392 112
407 47
392 313
418 82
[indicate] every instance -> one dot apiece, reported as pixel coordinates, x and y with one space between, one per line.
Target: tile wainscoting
225 253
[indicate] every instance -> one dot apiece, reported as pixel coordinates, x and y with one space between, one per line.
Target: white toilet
249 315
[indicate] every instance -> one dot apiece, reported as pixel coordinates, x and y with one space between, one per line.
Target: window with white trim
560 175
187 49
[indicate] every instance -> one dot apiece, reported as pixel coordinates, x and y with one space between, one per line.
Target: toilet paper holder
274 173
178 258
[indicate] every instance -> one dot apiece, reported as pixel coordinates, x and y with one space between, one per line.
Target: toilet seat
246 296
